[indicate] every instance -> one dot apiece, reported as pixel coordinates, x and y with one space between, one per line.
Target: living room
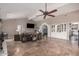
27 28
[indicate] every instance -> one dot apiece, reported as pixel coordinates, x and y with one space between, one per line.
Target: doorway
45 30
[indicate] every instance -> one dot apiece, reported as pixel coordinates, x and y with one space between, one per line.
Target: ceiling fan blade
52 11
41 11
44 16
51 15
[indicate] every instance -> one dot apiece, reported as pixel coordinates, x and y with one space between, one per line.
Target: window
53 28
61 27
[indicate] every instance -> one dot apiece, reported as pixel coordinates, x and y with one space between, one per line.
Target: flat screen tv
30 25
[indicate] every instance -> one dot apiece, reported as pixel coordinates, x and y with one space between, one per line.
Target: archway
45 27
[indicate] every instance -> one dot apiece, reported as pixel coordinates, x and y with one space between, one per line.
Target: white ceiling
13 10
29 10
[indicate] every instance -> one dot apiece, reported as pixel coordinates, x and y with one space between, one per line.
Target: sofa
24 37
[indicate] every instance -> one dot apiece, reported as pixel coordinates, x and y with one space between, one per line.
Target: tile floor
49 47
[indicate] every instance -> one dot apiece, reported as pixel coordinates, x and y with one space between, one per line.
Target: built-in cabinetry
59 31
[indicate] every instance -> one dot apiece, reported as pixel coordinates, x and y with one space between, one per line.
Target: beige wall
10 26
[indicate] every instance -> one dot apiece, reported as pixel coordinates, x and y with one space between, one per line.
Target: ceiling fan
47 13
